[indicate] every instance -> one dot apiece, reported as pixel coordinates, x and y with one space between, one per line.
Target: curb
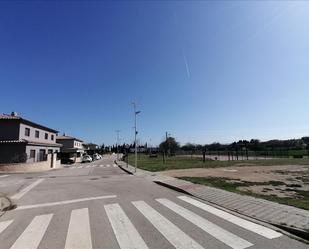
125 170
5 204
298 233
301 234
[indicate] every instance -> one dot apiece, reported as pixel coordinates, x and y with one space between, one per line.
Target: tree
169 145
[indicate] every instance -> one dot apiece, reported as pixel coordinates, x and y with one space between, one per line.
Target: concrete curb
5 203
302 235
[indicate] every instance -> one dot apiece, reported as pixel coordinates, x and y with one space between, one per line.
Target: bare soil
280 181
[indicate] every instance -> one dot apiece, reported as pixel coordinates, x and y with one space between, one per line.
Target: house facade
91 148
72 148
22 140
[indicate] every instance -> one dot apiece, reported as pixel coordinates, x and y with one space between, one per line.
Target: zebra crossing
79 234
94 166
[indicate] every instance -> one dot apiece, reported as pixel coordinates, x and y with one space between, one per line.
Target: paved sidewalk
264 210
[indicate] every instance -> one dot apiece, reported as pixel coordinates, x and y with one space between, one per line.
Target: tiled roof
30 142
15 117
67 138
12 141
6 116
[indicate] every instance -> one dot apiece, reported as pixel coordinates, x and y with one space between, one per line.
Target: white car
96 156
86 159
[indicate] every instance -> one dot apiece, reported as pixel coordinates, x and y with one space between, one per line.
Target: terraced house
22 140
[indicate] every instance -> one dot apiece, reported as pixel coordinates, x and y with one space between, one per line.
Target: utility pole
117 131
167 135
135 134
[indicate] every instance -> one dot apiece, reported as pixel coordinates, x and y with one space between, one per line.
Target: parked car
96 156
86 159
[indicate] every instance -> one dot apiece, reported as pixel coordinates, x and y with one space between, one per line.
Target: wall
10 151
9 129
37 149
66 143
51 163
32 137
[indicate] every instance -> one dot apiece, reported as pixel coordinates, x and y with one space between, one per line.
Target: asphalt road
97 205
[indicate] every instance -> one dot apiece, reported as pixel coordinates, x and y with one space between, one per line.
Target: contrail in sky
187 65
182 47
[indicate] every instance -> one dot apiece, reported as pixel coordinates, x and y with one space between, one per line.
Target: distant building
72 148
22 140
91 148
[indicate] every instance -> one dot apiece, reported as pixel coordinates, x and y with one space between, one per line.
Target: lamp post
135 133
117 144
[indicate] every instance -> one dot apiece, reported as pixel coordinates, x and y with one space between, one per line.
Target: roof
67 138
21 141
91 144
13 141
15 117
6 116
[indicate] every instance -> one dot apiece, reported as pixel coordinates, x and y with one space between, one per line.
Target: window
46 135
37 134
32 153
50 151
52 137
27 132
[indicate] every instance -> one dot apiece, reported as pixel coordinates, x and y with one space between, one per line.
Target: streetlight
117 131
135 133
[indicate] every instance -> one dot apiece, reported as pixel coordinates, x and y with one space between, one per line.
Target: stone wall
50 163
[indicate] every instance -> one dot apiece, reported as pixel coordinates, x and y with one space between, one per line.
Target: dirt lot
291 181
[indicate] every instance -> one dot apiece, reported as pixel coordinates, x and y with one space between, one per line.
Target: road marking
4 225
65 202
79 167
26 189
79 235
125 232
107 165
88 166
253 227
115 165
34 233
219 233
101 166
172 233
2 176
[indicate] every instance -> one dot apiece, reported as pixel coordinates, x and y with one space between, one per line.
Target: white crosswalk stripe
34 233
25 190
2 176
219 233
79 235
125 232
253 227
5 224
171 232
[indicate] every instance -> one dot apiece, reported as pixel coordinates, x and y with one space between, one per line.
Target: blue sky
203 71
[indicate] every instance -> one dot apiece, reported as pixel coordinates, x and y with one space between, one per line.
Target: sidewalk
267 211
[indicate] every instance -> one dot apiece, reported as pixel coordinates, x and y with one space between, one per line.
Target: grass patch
301 201
186 162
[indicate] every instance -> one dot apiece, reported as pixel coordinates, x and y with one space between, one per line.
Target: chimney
14 114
